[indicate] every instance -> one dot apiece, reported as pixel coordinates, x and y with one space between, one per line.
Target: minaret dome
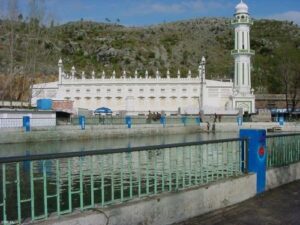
241 8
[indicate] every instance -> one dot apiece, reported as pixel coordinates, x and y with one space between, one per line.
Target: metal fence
33 187
283 149
118 120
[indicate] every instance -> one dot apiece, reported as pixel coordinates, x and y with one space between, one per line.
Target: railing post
198 121
239 121
128 121
82 122
281 121
26 123
183 120
163 120
256 155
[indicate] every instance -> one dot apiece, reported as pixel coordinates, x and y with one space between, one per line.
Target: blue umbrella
103 110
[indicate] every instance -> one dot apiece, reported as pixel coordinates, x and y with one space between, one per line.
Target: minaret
242 52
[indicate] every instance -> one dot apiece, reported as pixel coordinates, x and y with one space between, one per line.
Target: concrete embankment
61 133
233 127
282 175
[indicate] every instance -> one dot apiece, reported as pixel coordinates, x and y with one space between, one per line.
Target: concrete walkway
280 206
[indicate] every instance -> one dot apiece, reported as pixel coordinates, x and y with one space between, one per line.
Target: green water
7 150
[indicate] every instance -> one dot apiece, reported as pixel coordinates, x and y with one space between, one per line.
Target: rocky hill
179 45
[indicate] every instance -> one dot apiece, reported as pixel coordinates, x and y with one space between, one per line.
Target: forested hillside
29 52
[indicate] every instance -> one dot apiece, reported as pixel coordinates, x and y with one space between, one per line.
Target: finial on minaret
178 74
93 75
189 74
60 71
168 73
73 71
157 73
124 74
83 75
114 74
202 69
146 74
103 74
135 74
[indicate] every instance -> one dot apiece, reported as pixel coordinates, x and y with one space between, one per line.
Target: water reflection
7 150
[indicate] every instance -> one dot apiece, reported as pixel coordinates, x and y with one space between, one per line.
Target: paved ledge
280 206
282 175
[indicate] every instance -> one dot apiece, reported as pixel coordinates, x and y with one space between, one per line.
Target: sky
150 12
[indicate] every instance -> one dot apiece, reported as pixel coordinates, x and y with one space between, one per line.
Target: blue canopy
103 110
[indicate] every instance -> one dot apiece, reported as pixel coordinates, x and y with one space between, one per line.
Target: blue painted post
26 123
82 122
198 121
183 120
239 120
128 121
163 121
257 155
281 121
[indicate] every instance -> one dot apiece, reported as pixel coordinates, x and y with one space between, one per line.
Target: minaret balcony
242 52
236 21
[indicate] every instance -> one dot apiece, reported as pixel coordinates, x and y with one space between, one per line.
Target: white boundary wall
14 119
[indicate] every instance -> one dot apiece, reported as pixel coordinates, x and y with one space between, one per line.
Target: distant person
215 118
213 128
208 126
200 118
149 117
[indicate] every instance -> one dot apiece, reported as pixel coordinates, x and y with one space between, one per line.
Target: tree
295 87
12 16
290 72
35 36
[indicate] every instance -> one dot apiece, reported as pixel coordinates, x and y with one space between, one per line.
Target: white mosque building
136 95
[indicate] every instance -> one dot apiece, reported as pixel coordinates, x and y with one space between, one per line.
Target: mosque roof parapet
126 75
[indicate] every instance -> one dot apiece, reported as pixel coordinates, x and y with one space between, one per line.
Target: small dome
241 8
